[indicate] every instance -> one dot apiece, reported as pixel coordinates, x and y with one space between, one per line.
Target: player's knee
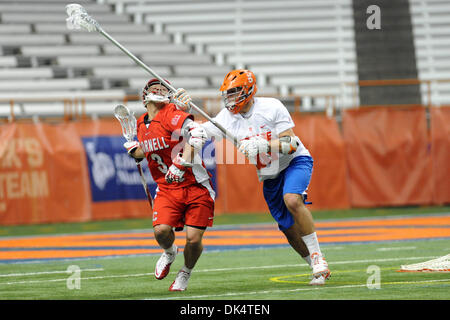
194 240
162 231
292 201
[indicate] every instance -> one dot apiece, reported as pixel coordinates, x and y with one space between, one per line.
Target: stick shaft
168 85
144 184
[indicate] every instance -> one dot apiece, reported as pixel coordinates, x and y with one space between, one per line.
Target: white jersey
267 118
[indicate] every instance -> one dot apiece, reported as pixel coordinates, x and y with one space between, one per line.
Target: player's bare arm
134 150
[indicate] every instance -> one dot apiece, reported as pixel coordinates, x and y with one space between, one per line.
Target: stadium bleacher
193 50
310 52
40 56
431 28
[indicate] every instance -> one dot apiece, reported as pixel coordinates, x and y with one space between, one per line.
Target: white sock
186 269
170 250
312 243
308 260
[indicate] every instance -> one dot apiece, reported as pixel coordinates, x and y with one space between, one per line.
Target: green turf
245 274
271 274
129 224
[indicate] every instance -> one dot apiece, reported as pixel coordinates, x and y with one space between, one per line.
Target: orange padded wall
388 157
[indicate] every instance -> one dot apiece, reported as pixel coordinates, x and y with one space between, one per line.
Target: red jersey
161 140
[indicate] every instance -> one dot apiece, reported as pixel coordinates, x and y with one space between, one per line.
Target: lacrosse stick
79 18
128 123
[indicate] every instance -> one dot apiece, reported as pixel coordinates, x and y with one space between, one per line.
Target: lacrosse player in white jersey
263 127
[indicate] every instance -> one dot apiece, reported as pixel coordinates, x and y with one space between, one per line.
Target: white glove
131 146
177 169
174 174
289 144
253 146
197 135
182 99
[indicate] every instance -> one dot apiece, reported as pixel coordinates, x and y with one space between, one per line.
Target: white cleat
320 281
162 267
319 266
181 281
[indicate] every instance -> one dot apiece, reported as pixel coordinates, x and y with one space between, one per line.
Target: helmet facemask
238 89
157 95
236 98
155 92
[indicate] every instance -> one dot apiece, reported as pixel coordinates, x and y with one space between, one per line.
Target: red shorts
191 205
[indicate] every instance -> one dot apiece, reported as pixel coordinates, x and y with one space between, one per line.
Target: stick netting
441 264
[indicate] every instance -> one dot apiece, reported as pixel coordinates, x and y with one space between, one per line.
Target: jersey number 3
162 166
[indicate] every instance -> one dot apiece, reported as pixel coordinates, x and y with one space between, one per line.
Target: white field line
331 263
396 248
220 270
293 290
87 278
44 272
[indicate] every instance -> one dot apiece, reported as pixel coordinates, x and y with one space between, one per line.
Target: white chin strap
151 97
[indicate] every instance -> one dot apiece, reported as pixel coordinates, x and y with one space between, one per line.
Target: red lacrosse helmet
155 96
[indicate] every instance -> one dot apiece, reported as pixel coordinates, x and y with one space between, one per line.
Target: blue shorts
294 179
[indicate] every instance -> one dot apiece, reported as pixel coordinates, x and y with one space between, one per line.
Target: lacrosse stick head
127 121
79 18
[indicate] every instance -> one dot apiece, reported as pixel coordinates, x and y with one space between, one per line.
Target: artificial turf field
265 272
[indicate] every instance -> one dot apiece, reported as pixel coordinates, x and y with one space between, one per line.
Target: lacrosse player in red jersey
170 141
263 127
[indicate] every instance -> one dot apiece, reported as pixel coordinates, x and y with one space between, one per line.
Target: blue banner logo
114 175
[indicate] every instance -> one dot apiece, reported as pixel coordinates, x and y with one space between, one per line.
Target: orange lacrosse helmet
238 88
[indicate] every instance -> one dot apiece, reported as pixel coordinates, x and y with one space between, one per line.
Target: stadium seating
41 57
8 61
309 52
43 84
61 50
431 28
194 55
26 73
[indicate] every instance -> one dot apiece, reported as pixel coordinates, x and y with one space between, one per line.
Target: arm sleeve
184 128
212 131
283 120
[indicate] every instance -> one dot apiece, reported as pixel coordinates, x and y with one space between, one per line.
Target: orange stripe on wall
11 255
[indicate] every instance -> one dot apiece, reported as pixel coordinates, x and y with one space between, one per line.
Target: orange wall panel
321 136
440 149
239 190
388 157
383 157
42 175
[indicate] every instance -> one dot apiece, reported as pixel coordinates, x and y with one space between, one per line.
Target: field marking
44 272
331 263
395 248
233 226
218 270
294 290
279 278
88 278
